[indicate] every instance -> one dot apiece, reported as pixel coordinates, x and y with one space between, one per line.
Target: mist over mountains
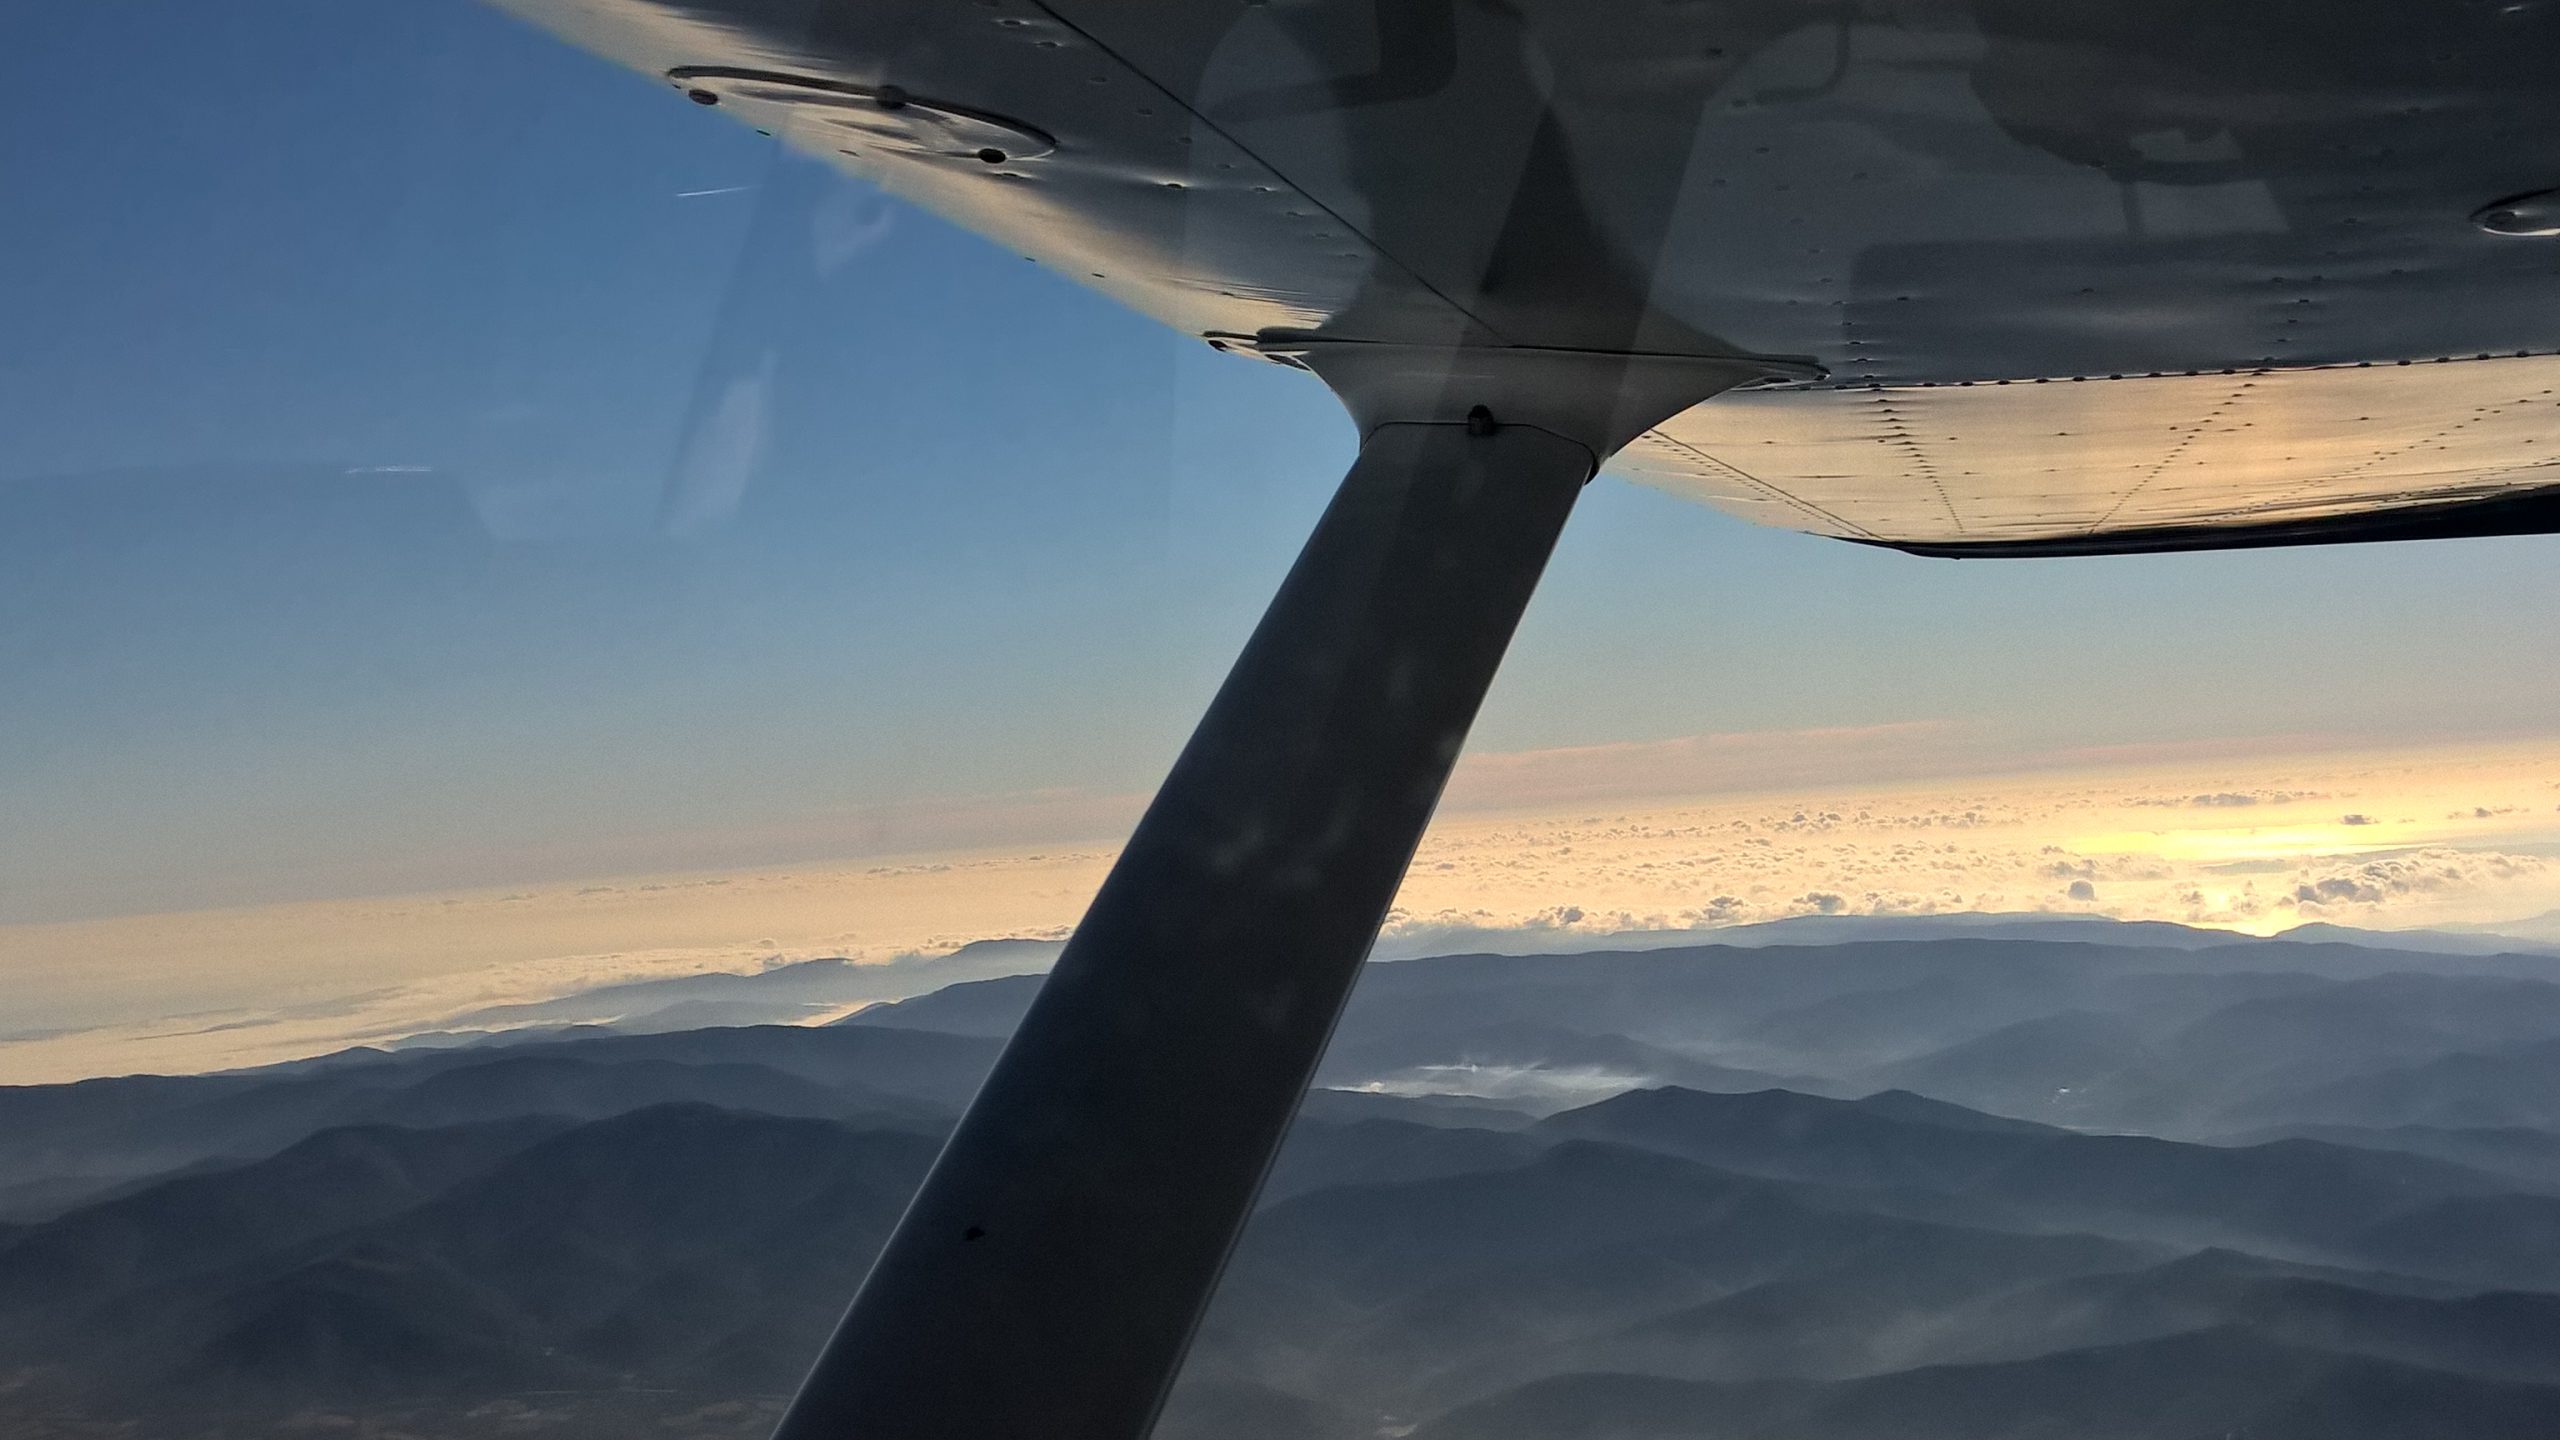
2013 1179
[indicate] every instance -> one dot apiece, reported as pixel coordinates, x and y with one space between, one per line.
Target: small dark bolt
702 97
890 97
992 155
1480 422
974 1232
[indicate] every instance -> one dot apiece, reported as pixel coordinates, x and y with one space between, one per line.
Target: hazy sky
2442 835
430 457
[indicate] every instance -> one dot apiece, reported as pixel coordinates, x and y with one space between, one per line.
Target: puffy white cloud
2224 799
2383 879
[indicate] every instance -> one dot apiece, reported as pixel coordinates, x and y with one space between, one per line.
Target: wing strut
1047 1278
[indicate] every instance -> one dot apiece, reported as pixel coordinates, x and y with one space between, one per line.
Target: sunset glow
2451 836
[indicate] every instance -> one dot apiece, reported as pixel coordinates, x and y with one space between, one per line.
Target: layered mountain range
2015 1182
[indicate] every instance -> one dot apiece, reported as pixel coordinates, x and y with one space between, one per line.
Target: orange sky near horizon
2449 835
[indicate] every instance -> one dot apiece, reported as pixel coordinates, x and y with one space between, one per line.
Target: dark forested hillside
1918 1188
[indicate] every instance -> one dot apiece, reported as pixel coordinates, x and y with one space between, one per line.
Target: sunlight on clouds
2258 852
2233 846
2453 836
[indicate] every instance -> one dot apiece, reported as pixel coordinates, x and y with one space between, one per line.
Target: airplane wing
2077 276
1965 277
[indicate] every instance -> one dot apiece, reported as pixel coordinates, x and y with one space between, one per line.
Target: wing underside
2109 466
2082 277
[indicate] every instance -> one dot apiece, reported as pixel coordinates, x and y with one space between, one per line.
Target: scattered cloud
201 990
2427 873
2224 799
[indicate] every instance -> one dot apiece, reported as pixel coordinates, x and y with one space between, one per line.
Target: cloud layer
2454 836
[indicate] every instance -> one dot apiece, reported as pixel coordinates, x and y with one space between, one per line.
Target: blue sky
367 363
